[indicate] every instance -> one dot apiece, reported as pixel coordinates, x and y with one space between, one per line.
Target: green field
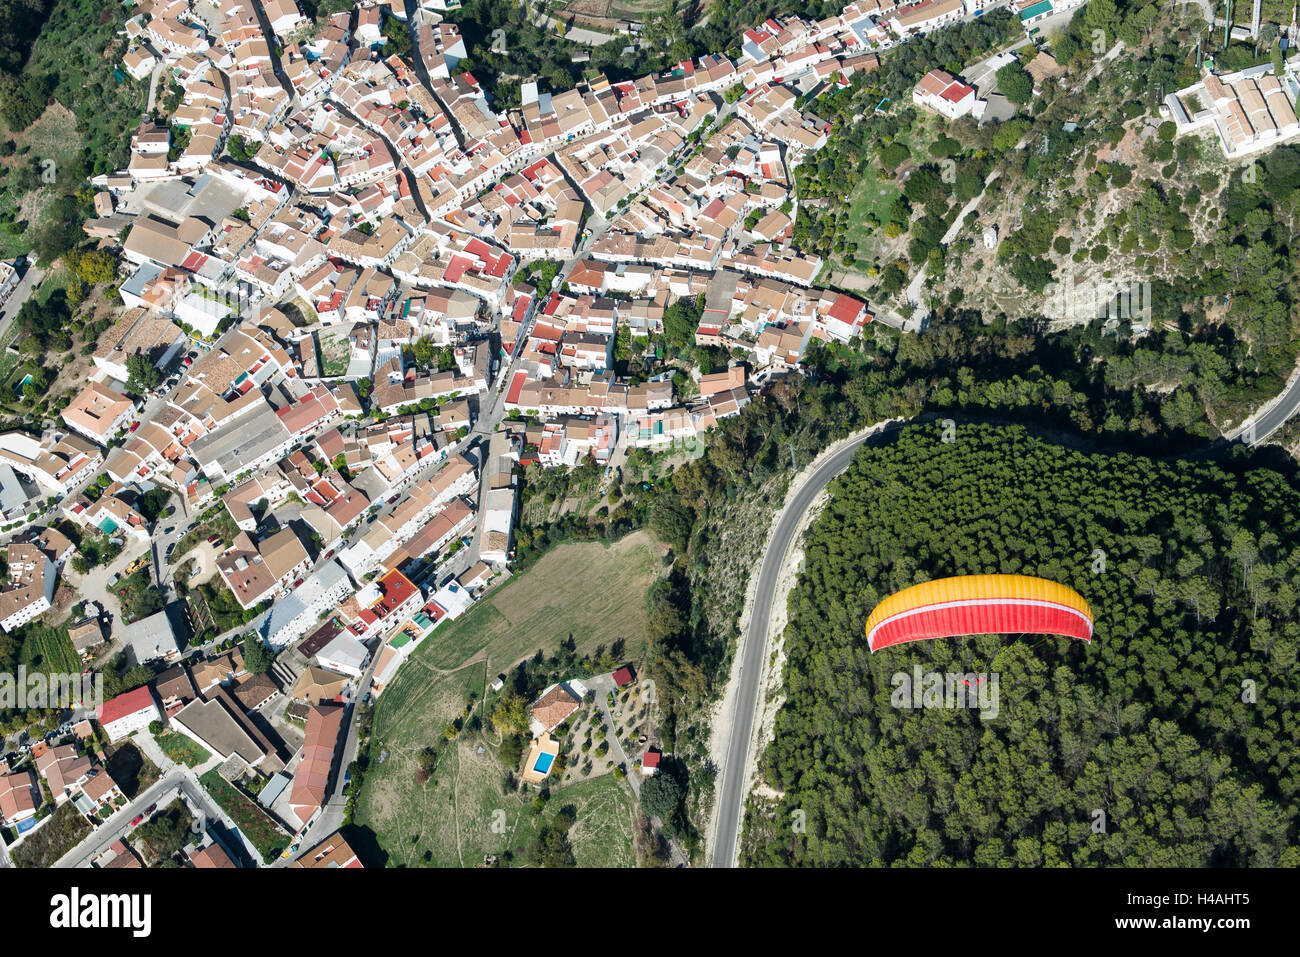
871 201
592 591
595 593
463 813
49 650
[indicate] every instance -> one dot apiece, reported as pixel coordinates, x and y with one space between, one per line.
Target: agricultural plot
593 592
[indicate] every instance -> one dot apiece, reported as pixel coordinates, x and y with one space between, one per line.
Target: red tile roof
125 704
957 92
846 308
311 780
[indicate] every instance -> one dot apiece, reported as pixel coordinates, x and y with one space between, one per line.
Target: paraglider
979 605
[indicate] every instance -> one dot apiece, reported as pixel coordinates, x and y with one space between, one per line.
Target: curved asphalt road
1274 418
730 810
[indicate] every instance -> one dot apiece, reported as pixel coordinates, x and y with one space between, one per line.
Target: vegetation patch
182 750
262 832
1188 568
46 845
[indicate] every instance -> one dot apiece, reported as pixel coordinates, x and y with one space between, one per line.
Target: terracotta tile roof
554 706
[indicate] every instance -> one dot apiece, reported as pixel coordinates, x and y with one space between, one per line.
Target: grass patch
182 750
464 811
602 837
262 832
219 524
871 201
592 591
335 352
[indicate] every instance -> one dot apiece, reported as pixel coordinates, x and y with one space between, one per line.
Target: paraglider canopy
979 605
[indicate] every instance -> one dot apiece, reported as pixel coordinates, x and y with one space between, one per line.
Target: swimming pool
543 763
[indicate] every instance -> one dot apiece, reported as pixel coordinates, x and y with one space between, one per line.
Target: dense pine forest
1178 722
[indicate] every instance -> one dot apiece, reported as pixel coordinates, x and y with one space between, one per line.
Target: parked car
137 819
151 808
213 539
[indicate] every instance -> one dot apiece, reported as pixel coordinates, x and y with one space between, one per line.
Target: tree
894 154
152 502
1015 83
681 320
96 266
258 658
142 374
660 796
426 764
551 847
1184 602
511 750
22 99
1102 15
1008 134
424 351
510 717
239 149
671 522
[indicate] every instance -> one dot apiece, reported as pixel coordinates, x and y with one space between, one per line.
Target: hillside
1192 575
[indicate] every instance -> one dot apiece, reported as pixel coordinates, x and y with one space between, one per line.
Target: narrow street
177 781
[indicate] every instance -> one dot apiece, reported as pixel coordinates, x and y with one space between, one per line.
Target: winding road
729 813
731 792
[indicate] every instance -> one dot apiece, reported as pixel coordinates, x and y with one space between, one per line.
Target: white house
128 713
940 92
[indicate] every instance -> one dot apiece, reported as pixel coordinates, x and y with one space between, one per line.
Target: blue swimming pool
543 763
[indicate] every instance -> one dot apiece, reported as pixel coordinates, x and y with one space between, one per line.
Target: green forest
1167 741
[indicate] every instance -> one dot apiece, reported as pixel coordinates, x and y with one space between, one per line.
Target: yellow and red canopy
979 605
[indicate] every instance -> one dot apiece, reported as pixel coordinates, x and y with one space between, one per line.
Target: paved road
1286 405
731 792
179 780
153 85
29 281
